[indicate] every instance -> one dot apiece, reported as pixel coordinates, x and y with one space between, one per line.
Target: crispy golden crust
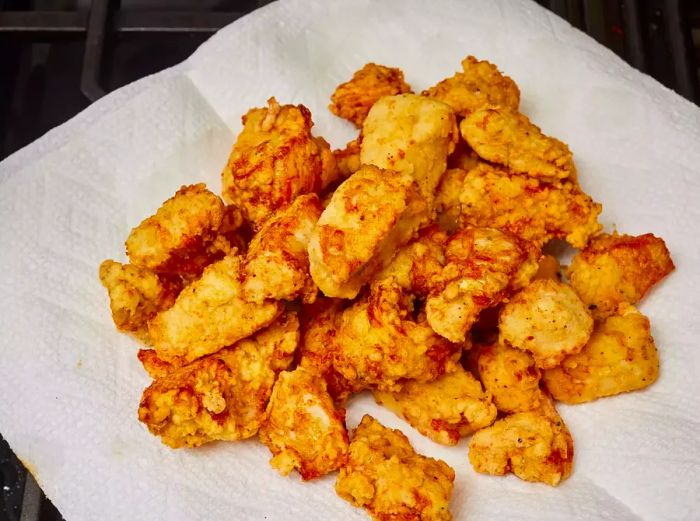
620 357
446 409
480 83
534 445
302 428
618 268
221 396
508 138
412 135
348 158
390 480
547 319
370 215
529 208
353 99
379 345
157 367
209 314
277 263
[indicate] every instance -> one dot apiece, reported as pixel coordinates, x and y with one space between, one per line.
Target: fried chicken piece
480 83
136 295
534 445
277 263
221 396
547 319
620 357
413 135
353 99
274 160
371 214
348 159
386 477
155 366
529 208
209 314
614 269
511 376
446 409
379 344
302 429
506 137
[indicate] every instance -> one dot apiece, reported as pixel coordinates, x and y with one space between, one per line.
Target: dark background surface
43 59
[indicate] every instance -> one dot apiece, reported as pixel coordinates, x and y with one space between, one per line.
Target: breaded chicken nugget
348 159
547 319
371 214
380 345
620 356
277 263
209 314
618 268
302 429
534 445
136 295
511 376
274 160
506 137
446 409
413 135
390 480
353 99
221 396
480 83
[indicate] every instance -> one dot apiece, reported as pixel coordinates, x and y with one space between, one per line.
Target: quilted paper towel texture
70 385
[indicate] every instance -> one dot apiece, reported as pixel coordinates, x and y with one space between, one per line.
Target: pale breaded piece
620 357
511 376
534 445
371 214
379 344
506 137
182 237
302 428
348 159
386 477
480 83
614 269
413 135
353 99
479 266
277 263
274 160
209 314
446 409
221 396
136 295
529 208
547 319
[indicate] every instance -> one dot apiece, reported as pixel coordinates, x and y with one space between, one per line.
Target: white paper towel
70 385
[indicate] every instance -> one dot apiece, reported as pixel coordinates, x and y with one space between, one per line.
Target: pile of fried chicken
411 264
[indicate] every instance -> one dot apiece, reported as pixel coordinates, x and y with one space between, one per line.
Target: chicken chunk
446 409
547 319
390 480
274 160
302 429
480 83
348 158
379 344
353 99
277 263
506 137
413 135
209 314
620 357
534 445
221 396
614 269
371 214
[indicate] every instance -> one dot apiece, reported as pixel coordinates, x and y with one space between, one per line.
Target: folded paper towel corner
70 384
